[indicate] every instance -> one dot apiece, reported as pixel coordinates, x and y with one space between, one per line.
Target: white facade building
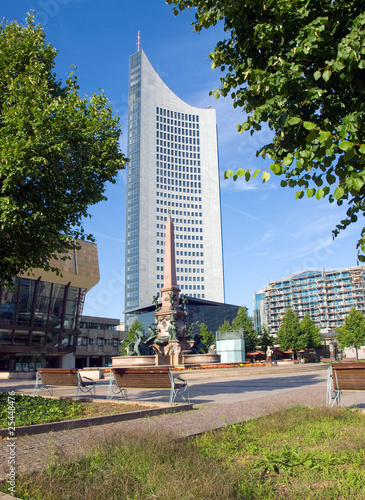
327 295
173 154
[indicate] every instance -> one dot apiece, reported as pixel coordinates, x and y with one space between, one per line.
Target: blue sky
267 234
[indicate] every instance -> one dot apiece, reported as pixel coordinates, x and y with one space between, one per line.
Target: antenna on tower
138 41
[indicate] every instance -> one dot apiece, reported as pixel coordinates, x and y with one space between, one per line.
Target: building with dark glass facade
212 314
40 315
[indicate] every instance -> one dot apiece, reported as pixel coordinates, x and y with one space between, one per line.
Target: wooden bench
344 377
48 378
156 378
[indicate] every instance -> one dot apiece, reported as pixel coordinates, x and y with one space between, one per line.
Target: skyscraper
173 168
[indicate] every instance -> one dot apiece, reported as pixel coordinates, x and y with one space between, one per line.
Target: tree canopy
208 337
289 335
311 332
296 335
244 321
297 66
57 152
352 332
265 339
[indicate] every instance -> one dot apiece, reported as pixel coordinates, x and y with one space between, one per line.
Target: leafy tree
265 339
135 326
290 335
208 337
297 66
226 327
244 321
57 152
352 332
311 332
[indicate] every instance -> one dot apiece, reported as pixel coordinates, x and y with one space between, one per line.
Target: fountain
167 337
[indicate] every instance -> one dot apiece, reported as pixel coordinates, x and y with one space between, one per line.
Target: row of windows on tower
191 139
178 197
169 147
182 221
168 170
182 245
173 122
181 161
178 205
176 131
182 189
178 175
176 115
198 287
179 212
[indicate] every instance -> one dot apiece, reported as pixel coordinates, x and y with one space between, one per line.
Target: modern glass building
39 317
326 295
212 314
172 147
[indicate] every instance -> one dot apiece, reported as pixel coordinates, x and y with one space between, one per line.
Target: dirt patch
92 409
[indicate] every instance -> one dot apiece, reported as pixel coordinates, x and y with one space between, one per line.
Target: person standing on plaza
268 356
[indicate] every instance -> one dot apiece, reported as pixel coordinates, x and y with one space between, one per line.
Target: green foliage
37 410
135 326
296 335
225 327
244 321
311 332
290 454
352 332
265 339
57 149
297 66
208 337
289 335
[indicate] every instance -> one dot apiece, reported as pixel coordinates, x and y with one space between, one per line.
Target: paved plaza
220 397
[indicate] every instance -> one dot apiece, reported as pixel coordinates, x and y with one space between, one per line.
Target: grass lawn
301 453
38 410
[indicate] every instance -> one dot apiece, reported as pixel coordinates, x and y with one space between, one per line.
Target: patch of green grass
301 453
37 410
31 410
297 453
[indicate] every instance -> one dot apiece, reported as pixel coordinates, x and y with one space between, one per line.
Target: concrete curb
5 496
91 421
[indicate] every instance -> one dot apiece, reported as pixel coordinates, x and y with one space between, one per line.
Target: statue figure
212 349
189 327
184 302
155 302
197 347
172 329
171 296
160 344
140 345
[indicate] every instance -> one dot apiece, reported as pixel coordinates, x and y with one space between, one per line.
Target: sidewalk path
224 397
